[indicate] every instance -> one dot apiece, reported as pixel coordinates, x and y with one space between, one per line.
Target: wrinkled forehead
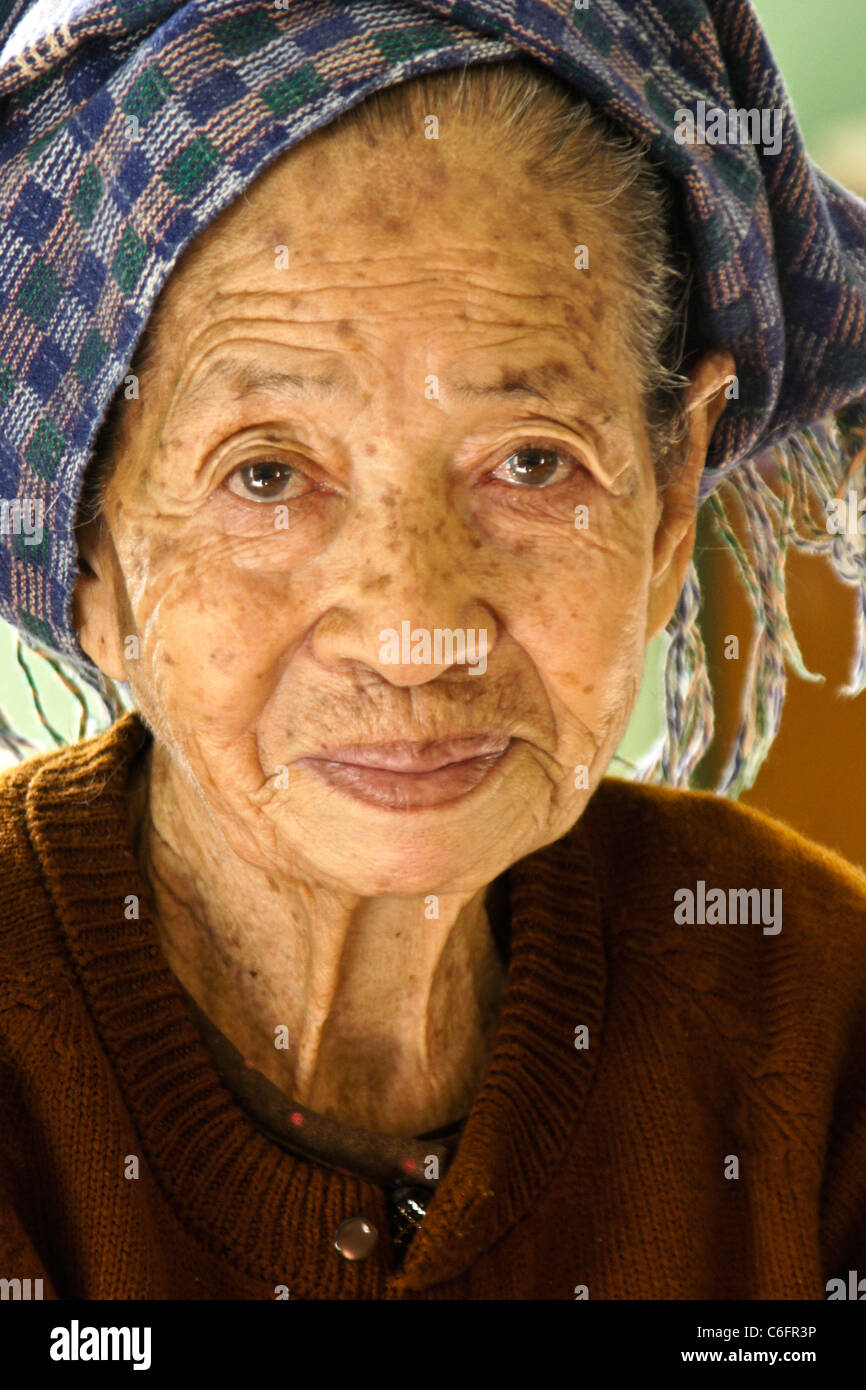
347 273
342 222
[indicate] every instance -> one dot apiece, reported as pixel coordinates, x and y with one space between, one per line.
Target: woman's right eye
266 480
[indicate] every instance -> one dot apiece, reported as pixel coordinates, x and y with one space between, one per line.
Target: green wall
821 49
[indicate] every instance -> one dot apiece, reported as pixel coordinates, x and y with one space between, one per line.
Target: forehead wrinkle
196 380
469 299
249 377
246 378
314 283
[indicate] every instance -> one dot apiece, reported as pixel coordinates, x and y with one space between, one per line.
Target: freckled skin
259 645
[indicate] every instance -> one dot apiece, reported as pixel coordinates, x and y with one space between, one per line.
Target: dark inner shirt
408 1169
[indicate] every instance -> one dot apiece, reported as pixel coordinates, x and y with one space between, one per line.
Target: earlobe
670 573
94 607
677 526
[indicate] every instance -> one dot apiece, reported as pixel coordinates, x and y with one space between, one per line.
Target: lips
414 757
409 776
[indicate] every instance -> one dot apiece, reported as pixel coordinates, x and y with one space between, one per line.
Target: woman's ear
674 544
95 598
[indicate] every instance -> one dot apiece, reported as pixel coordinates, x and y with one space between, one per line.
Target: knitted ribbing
635 1058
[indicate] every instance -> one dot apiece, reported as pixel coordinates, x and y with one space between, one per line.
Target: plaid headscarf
97 208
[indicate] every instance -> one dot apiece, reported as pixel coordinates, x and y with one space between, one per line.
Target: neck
389 1013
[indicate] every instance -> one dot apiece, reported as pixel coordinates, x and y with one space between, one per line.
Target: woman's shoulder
732 922
49 804
67 764
705 825
704 860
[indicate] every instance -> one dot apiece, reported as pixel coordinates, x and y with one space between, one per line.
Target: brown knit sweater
709 1142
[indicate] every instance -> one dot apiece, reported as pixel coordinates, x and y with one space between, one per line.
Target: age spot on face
223 660
395 226
557 369
370 586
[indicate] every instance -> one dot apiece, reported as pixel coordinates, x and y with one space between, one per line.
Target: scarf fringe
78 680
828 459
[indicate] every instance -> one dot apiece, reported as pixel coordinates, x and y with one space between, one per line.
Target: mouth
409 776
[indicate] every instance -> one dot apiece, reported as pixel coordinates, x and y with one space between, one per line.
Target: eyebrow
247 379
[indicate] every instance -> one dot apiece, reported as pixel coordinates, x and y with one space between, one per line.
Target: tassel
77 679
688 696
828 459
13 742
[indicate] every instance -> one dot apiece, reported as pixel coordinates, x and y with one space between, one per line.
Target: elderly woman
336 967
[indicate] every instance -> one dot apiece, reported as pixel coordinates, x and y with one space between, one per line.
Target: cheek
582 596
581 616
211 636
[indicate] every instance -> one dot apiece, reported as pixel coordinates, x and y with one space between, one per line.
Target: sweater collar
202 1145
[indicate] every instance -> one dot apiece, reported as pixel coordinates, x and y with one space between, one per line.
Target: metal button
356 1238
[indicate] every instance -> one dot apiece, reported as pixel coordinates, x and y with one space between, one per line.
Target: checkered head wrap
93 222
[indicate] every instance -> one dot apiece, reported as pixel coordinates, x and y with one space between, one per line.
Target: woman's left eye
536 465
265 480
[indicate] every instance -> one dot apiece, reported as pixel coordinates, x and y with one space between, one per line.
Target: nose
410 608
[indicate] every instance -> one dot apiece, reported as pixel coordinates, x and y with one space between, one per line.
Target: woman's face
386 401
